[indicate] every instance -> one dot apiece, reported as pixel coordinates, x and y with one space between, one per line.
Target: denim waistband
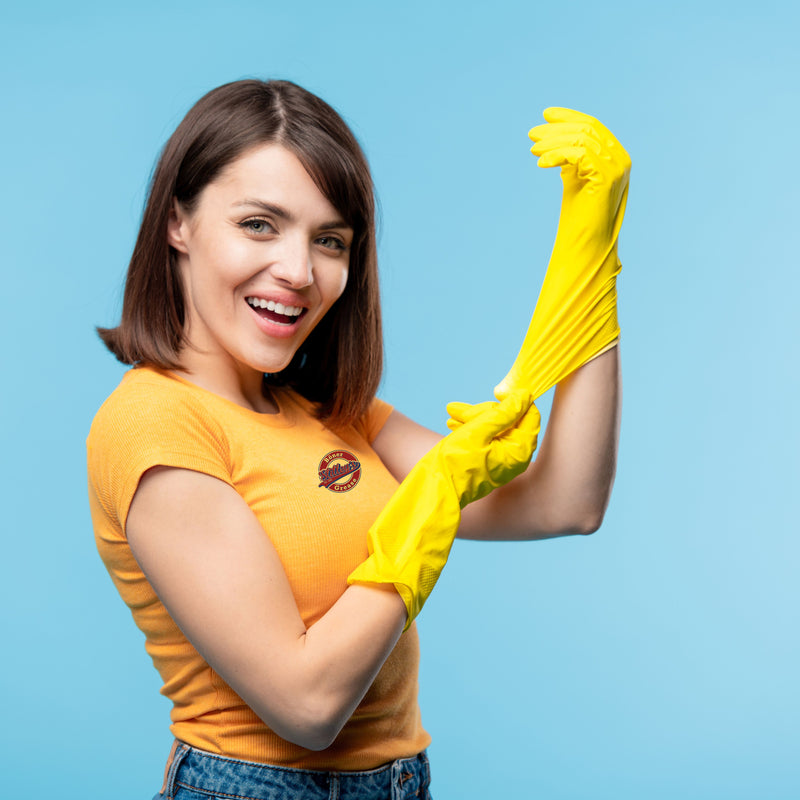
194 774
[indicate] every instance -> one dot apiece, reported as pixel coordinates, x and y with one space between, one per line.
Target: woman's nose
293 265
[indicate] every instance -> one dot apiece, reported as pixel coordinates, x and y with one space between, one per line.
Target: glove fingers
576 139
562 157
573 129
512 451
464 412
461 413
499 417
524 433
567 119
562 114
559 114
531 423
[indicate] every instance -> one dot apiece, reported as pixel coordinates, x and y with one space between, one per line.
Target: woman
291 657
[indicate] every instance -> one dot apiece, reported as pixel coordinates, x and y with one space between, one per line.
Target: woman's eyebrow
283 213
270 208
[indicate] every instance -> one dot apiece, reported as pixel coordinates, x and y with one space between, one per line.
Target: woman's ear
177 227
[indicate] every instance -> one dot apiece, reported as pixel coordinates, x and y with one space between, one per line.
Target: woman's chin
275 366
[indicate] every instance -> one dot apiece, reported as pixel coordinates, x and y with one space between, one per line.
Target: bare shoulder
402 442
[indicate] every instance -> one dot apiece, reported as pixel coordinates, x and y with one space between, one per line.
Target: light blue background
656 659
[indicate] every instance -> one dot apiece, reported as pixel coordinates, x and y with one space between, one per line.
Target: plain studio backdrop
657 658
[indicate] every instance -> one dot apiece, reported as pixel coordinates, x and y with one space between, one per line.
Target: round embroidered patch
339 471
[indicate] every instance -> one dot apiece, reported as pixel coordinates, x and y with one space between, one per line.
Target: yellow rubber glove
575 318
410 541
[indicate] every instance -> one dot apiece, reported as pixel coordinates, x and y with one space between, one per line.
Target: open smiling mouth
276 312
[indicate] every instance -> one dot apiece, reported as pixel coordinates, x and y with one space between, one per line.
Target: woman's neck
243 386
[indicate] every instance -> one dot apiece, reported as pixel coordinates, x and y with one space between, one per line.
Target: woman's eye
332 243
257 226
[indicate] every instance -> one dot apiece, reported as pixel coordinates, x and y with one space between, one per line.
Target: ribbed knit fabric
276 462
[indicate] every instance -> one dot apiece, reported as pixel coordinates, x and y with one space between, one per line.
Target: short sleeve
143 425
375 418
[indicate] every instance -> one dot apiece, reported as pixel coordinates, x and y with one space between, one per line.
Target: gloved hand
460 413
411 539
575 318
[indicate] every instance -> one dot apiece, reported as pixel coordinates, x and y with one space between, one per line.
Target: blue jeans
194 774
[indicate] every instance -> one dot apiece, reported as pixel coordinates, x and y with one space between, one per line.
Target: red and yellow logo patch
339 471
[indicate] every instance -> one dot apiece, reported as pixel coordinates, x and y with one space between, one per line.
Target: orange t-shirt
315 493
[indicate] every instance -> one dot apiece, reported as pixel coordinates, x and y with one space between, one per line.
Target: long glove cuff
410 540
568 328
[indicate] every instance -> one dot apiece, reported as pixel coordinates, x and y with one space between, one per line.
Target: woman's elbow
587 517
317 737
314 723
579 522
590 525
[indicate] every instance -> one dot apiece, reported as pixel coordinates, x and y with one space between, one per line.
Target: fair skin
263 231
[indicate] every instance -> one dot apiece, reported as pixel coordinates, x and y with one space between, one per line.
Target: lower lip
278 330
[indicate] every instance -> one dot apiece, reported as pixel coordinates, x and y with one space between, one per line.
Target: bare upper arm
402 442
220 577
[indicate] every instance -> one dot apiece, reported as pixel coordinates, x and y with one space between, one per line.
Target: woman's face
263 256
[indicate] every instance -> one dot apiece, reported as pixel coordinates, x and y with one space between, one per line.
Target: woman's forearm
327 670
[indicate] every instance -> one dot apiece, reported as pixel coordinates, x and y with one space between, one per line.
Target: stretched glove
575 318
411 539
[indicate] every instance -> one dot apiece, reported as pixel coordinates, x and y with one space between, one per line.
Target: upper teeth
278 308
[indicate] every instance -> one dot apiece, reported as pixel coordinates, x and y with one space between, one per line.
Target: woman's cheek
343 281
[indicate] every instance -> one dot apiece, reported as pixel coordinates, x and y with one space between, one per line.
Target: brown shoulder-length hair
339 365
